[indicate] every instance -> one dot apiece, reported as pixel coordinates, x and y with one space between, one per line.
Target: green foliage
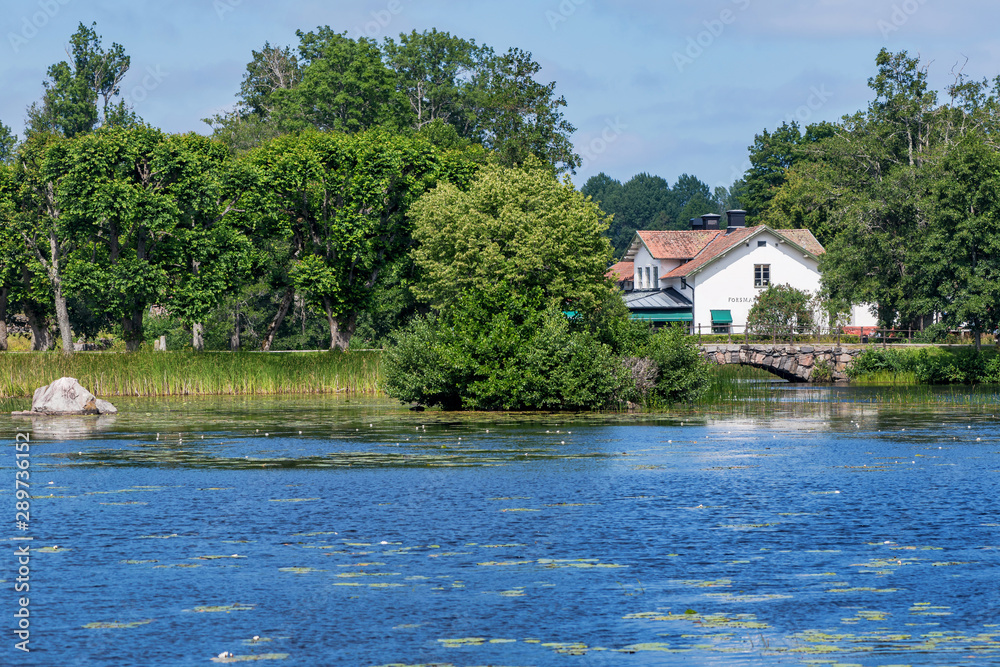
519 117
435 72
501 349
683 373
450 90
772 155
344 86
516 225
935 333
8 142
648 202
779 308
332 209
78 94
963 366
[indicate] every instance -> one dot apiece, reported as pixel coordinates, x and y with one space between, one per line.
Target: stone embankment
795 363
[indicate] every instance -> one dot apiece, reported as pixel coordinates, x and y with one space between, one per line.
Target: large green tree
80 93
37 216
435 73
144 205
515 224
519 117
335 206
344 86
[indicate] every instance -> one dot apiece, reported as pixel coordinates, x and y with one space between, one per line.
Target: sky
661 87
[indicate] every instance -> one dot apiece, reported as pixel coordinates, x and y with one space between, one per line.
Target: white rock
66 396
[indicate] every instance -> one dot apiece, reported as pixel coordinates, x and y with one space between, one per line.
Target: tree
344 86
208 255
682 371
38 219
435 72
79 94
519 225
336 207
271 69
771 156
520 118
960 252
779 308
877 174
8 144
144 206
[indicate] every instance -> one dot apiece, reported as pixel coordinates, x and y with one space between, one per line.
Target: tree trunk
4 291
979 341
286 302
198 337
234 339
41 338
62 317
62 313
132 327
341 329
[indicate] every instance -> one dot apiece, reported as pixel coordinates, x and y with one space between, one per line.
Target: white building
710 276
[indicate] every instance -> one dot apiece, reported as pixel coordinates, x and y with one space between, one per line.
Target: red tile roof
804 239
622 271
676 244
713 244
717 246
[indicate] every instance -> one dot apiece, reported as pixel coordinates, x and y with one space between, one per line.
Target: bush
935 333
683 373
965 367
779 308
875 360
501 351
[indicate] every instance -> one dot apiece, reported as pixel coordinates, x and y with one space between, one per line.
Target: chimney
697 224
711 220
737 219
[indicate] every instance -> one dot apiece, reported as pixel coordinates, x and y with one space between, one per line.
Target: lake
817 530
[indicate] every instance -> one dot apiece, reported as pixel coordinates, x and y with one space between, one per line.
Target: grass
189 373
734 382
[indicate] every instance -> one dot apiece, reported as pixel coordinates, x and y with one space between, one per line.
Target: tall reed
189 373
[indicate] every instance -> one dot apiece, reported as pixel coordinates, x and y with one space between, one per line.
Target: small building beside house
709 276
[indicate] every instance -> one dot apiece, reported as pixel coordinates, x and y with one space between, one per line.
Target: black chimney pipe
711 220
736 218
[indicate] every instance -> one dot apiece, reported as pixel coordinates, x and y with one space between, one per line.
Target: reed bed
733 382
189 373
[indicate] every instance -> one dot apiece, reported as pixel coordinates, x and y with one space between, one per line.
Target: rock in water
66 396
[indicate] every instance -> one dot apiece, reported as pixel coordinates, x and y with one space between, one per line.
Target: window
761 275
722 320
761 244
656 277
648 283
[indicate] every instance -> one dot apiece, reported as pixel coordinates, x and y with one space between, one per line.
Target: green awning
663 316
722 317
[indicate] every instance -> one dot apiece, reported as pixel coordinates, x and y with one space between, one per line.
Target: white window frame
761 276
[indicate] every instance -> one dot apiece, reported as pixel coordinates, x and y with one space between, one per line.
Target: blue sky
660 87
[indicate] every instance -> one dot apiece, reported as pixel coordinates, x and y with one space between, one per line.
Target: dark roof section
667 299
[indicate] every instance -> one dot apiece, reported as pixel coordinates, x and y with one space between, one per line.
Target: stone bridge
795 363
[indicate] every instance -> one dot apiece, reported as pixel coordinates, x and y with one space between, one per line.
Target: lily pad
115 625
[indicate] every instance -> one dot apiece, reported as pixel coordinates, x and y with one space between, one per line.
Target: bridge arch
795 363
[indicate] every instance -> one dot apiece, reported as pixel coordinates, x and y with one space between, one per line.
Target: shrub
779 308
683 371
498 350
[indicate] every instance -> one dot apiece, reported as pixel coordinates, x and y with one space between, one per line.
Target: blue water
813 534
